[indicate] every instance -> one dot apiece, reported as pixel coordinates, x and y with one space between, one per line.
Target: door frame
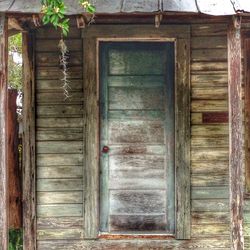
92 36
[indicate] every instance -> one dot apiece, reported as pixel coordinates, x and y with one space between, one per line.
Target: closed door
137 137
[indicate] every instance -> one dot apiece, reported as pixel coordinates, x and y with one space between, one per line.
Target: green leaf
91 9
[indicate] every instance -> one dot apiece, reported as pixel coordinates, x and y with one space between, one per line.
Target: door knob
105 149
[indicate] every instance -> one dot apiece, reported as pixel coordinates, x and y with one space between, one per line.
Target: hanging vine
54 13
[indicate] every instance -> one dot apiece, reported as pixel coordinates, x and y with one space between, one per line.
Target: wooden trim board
29 153
3 134
235 134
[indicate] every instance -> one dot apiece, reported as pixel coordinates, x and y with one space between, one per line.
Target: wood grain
29 149
182 144
59 184
236 158
247 113
14 171
91 140
57 234
216 243
3 134
60 210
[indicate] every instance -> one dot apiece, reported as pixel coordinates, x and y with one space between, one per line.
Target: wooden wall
59 139
60 133
245 28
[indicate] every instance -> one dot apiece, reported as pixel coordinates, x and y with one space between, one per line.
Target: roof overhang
210 7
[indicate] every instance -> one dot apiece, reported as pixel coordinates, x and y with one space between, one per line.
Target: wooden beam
247 113
235 134
14 175
91 141
3 134
182 143
14 24
29 174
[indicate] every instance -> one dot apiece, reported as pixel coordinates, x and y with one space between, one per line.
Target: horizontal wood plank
46 185
46 45
56 111
47 98
215 243
75 197
209 93
209 105
135 149
208 192
206 142
60 147
59 122
59 134
200 180
216 205
208 66
206 230
208 29
219 167
56 85
134 99
211 130
137 202
209 118
59 222
44 59
210 154
209 55
60 210
136 132
208 42
60 172
209 80
59 159
47 32
57 234
200 218
55 73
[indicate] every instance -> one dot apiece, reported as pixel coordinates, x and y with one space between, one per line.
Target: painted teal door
137 137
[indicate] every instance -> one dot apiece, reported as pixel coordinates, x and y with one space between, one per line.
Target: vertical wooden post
29 175
235 134
3 135
14 175
91 206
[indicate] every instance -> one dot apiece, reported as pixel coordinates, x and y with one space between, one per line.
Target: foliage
14 65
54 13
15 239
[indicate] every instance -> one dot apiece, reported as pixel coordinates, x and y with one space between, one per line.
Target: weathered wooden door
137 137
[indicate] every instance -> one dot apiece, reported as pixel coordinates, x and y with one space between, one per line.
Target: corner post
29 164
235 134
3 134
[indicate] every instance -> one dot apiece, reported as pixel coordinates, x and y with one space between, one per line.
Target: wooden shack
151 149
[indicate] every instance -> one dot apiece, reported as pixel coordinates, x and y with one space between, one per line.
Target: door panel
137 128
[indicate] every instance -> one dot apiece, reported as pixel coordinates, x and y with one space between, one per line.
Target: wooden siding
59 139
59 149
246 214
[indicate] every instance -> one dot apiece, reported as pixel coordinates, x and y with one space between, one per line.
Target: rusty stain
215 117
